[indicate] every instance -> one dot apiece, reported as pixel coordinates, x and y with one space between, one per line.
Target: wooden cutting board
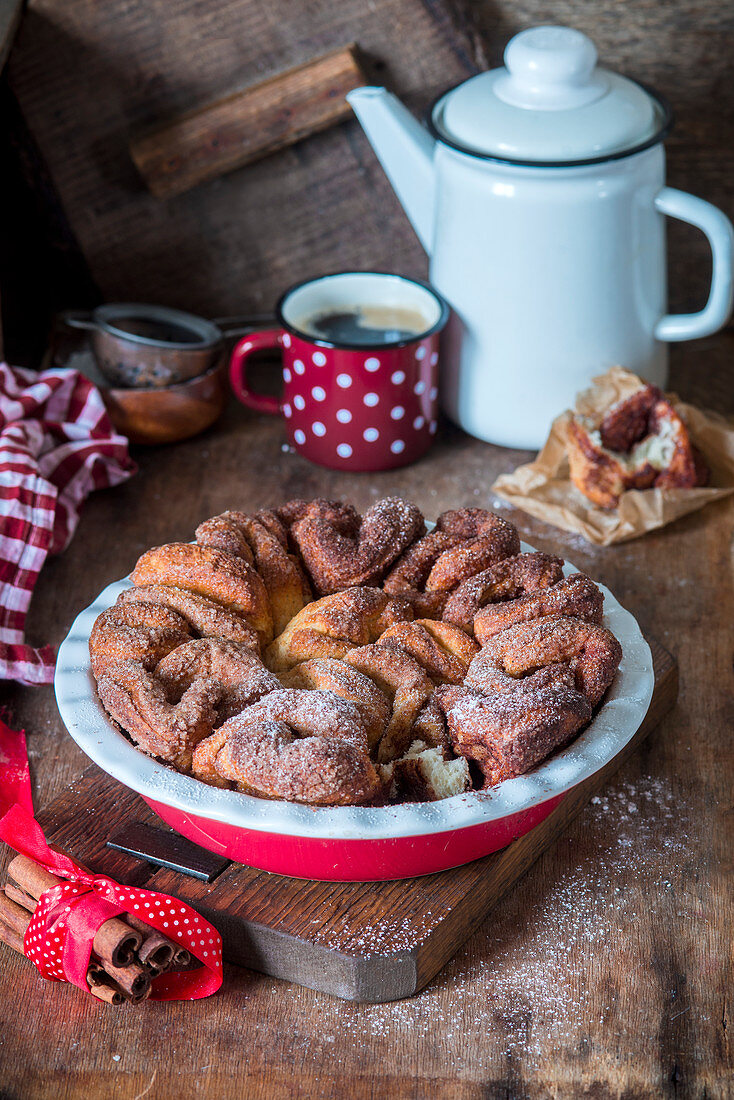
374 941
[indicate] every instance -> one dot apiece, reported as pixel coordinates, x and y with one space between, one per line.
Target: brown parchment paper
544 488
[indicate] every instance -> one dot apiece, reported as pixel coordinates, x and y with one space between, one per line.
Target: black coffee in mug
369 326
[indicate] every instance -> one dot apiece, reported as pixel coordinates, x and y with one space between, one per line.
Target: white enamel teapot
539 192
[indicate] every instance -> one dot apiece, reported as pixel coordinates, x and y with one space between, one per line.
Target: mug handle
256 341
720 234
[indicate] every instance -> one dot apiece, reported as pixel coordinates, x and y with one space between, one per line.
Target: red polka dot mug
360 369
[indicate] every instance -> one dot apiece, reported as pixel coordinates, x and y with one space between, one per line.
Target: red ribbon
59 937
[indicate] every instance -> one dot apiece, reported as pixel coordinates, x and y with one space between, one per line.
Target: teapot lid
551 105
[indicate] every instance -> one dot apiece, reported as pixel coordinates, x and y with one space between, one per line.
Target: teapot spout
405 151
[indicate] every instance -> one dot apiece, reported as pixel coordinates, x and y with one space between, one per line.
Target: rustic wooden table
607 971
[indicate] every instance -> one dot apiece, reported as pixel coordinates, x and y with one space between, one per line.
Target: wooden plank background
88 75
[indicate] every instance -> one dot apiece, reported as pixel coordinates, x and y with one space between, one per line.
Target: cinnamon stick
11 938
115 971
14 916
133 980
20 897
108 993
104 987
96 974
181 960
14 920
191 964
29 876
156 950
115 941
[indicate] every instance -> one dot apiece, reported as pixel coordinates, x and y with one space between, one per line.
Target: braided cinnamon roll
464 543
169 709
304 746
508 579
367 694
214 574
574 597
528 692
341 549
331 626
261 540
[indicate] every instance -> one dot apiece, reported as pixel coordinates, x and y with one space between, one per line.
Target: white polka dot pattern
356 407
59 937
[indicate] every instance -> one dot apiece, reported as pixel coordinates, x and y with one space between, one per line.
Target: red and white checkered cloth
56 445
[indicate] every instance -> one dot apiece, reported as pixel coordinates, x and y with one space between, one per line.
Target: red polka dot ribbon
59 937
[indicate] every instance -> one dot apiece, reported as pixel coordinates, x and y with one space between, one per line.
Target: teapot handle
720 234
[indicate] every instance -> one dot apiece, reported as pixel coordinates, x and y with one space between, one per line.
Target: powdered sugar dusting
523 978
395 931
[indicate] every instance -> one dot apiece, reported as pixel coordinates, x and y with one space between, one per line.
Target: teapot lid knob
550 69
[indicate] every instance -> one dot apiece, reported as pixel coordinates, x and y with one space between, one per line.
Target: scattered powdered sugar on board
396 931
523 975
